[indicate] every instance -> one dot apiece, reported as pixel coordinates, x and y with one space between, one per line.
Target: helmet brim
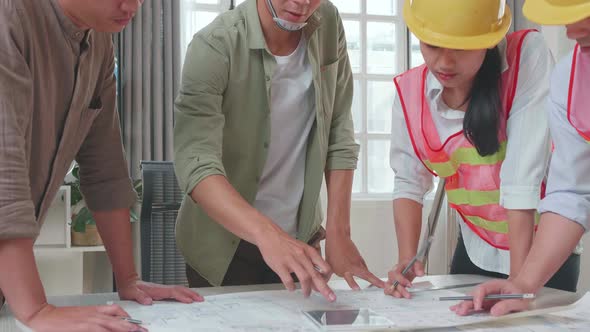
478 42
542 12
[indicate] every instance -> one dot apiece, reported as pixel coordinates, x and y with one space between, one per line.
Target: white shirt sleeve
412 179
528 147
568 186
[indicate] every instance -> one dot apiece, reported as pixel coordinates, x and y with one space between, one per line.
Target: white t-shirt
525 164
292 113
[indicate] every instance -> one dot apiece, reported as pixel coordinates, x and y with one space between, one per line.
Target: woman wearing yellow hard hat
473 115
565 210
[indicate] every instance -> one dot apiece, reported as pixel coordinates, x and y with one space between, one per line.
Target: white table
546 298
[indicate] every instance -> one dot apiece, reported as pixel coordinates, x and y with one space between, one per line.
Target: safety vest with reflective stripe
472 181
578 100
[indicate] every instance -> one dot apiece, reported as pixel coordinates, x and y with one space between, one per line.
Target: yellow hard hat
458 24
556 12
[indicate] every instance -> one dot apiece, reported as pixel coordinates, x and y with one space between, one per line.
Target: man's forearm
228 208
549 251
115 230
339 186
521 226
19 278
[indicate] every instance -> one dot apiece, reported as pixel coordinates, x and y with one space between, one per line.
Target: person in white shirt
566 207
473 114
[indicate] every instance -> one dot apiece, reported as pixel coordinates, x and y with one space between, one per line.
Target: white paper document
575 317
282 311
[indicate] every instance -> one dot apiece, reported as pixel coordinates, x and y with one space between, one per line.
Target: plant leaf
76 172
75 194
78 226
138 186
83 218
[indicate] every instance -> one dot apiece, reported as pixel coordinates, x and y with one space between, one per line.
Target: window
379 48
197 14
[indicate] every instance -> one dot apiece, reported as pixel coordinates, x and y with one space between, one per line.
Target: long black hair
482 119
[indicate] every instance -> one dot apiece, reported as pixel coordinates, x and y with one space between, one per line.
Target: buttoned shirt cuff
338 163
568 205
197 170
342 156
520 197
416 198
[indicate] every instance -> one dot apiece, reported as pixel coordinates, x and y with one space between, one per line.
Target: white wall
373 232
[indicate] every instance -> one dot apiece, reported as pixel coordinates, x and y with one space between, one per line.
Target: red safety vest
472 181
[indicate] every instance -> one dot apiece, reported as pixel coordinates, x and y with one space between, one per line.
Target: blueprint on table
282 311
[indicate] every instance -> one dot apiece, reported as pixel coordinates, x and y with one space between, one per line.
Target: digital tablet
348 319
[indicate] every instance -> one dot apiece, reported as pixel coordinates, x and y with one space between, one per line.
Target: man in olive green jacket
264 111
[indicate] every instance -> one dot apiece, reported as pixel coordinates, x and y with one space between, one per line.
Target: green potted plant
83 226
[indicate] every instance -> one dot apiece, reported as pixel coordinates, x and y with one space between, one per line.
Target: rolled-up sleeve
342 149
17 211
198 131
412 179
104 175
528 147
568 186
